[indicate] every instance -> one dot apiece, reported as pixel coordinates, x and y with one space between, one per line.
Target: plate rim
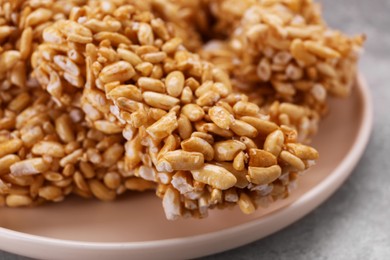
344 169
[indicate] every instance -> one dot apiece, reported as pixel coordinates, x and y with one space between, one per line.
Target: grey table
355 222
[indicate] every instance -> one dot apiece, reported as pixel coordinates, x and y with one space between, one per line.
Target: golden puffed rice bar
276 50
185 127
48 152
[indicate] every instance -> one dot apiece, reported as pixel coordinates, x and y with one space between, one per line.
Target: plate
134 227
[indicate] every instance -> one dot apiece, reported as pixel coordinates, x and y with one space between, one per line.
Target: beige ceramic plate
135 227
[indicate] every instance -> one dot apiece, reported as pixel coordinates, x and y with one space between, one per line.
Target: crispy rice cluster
209 103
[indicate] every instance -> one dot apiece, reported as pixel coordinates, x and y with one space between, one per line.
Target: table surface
354 222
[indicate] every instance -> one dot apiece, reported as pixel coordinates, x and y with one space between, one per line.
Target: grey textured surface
355 222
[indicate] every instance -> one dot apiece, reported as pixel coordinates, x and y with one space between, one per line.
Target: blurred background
354 222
